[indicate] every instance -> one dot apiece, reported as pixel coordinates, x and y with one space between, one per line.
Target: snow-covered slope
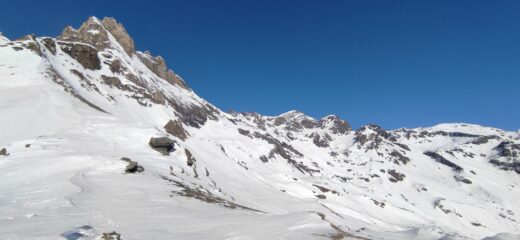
78 113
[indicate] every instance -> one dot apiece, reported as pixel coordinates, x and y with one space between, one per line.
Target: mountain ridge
118 124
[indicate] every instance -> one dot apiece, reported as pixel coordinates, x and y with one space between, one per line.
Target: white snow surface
254 177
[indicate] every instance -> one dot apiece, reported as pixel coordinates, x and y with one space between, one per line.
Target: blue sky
393 63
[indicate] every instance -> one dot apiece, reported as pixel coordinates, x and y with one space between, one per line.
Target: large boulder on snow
3 152
132 167
164 145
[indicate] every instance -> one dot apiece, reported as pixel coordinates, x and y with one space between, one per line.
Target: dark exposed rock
86 55
338 126
158 97
279 121
175 128
403 146
321 196
34 47
508 166
466 154
281 148
3 152
190 159
484 139
476 224
29 42
399 157
119 32
259 121
244 132
111 81
132 167
116 66
95 32
320 141
194 115
162 144
324 189
372 135
440 159
295 121
294 125
264 159
381 204
111 236
55 76
286 151
460 134
460 178
307 123
507 157
508 149
438 204
446 134
396 176
158 66
202 194
84 81
50 44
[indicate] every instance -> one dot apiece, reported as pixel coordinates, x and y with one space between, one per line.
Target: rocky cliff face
98 33
95 114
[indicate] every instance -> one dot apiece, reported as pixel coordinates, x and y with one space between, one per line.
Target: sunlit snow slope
82 118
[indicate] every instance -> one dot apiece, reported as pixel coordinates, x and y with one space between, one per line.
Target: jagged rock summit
98 33
75 109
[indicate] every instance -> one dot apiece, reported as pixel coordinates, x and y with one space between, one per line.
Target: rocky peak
100 34
374 134
96 33
335 124
295 120
119 32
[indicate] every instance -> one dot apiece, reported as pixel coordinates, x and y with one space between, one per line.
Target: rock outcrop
190 159
175 128
3 152
162 144
96 33
132 167
158 66
86 55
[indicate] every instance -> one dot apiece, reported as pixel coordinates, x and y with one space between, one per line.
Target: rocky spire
119 32
96 33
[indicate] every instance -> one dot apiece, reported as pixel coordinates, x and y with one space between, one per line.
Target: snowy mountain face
100 141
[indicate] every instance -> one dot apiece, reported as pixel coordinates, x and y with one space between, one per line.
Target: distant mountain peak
293 115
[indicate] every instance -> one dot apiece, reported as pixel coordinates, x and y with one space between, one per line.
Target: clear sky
393 63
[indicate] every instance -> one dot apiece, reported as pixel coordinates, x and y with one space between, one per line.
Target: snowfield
76 111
